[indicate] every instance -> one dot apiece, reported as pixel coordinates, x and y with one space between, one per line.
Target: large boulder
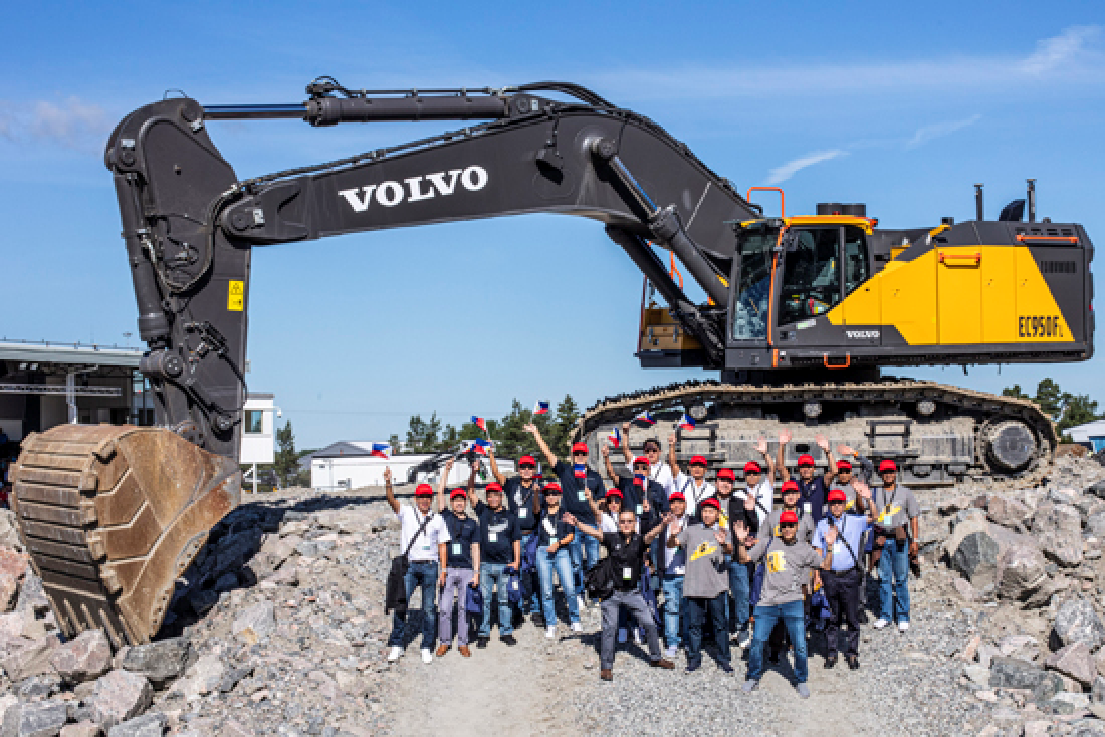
119 696
1095 523
1008 511
160 662
976 557
42 719
1059 527
1016 673
30 658
1077 622
1076 661
1020 571
147 725
84 658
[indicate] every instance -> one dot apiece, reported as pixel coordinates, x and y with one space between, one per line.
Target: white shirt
425 547
694 492
764 492
661 474
670 554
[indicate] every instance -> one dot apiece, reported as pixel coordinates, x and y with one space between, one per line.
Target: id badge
627 573
808 507
552 541
456 548
492 537
426 548
582 496
640 509
522 511
679 570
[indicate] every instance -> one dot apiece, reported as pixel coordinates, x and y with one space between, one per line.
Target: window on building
255 422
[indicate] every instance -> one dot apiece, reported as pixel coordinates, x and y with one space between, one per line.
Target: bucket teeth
111 516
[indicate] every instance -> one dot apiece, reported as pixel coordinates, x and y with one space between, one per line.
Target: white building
1092 435
350 465
258 432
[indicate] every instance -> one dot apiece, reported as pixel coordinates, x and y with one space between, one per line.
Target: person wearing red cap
519 492
554 536
627 550
422 538
462 564
754 499
738 507
814 488
791 494
759 485
896 514
640 494
843 578
673 570
845 478
500 556
787 565
706 583
694 487
576 479
658 470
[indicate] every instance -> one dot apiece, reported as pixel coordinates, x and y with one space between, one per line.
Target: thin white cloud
938 130
1052 54
71 123
782 173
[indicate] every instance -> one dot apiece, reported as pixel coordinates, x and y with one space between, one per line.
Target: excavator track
949 433
112 516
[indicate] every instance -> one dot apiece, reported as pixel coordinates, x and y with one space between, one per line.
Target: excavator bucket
112 516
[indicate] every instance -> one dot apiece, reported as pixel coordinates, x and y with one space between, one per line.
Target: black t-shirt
816 495
738 512
634 501
559 528
498 531
627 557
520 501
575 501
463 532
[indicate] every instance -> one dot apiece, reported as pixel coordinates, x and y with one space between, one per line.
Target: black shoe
861 617
725 667
773 658
508 640
538 620
853 662
481 642
692 667
830 662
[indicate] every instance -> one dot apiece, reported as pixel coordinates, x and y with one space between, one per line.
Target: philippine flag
479 446
686 422
615 438
645 418
540 408
381 450
480 422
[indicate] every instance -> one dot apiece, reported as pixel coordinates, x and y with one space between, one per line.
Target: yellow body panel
959 295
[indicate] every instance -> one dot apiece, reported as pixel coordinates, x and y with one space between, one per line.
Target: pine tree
567 413
286 462
1014 391
1050 398
1077 410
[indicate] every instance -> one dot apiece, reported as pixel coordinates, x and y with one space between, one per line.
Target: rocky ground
278 629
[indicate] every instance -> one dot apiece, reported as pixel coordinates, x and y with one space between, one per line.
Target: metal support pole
978 203
70 396
254 472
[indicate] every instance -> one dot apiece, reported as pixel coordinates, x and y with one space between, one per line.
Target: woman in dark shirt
553 538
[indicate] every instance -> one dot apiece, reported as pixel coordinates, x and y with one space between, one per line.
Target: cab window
811 278
753 283
855 258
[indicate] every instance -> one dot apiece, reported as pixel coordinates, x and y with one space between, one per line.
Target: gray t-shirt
895 508
707 575
806 524
786 568
850 505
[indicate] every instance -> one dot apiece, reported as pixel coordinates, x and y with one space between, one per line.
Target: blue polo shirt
635 497
498 531
815 494
463 532
520 501
850 527
575 501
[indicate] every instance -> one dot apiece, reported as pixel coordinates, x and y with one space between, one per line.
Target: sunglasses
753 473
577 455
526 466
640 468
788 524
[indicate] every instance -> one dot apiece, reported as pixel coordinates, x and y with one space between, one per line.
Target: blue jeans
739 586
592 546
534 602
493 574
698 609
424 574
894 579
674 611
561 562
793 614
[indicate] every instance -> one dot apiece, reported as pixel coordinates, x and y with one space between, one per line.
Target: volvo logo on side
415 189
862 334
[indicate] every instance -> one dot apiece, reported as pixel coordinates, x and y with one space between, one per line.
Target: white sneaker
880 623
671 652
875 574
582 604
550 632
637 636
427 656
744 640
903 626
577 627
622 636
395 653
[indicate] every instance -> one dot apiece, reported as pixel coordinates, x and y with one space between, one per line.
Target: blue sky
903 107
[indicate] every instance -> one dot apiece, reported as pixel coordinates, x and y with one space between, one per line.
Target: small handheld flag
686 422
480 422
615 438
479 446
540 408
381 450
645 418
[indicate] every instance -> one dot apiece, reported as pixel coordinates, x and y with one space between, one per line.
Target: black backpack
599 581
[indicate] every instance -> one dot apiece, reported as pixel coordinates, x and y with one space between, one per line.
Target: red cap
676 496
617 493
837 495
788 517
791 486
553 488
698 461
726 474
752 467
887 465
580 448
641 460
494 486
805 460
423 490
457 492
527 459
843 465
710 502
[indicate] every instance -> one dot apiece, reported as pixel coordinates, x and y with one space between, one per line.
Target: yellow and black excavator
801 313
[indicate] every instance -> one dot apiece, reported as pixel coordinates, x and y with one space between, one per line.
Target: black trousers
842 591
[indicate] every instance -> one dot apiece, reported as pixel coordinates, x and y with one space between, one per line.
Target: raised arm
655 531
549 455
823 444
740 532
495 466
784 440
472 498
389 491
673 534
761 448
863 499
582 526
610 466
442 502
830 538
625 444
672 461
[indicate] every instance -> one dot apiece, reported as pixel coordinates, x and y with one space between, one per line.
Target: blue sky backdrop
902 106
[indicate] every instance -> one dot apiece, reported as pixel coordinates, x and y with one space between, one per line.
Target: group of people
723 556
